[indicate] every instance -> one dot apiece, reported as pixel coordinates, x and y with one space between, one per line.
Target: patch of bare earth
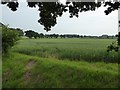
31 63
27 76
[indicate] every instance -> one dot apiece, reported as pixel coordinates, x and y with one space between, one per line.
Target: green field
60 63
72 49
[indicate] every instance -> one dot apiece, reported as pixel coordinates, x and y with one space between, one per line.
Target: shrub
9 38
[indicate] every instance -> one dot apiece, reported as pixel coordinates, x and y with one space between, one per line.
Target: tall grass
91 50
53 73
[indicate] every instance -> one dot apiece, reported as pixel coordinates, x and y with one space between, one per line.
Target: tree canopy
31 34
49 11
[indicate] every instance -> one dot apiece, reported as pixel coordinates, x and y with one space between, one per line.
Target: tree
62 36
35 35
31 34
54 35
41 35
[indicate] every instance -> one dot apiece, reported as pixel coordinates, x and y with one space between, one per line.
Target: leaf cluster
113 47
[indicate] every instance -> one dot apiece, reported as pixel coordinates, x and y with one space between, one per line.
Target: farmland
60 63
72 49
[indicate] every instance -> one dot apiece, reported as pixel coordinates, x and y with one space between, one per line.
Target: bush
9 38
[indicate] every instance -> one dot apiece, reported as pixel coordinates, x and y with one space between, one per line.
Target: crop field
72 49
60 63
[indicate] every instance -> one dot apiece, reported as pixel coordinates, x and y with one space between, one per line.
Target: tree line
32 34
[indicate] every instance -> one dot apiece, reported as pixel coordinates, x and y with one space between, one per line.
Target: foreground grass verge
24 71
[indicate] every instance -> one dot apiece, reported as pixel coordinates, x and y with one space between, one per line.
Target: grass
53 73
53 63
72 49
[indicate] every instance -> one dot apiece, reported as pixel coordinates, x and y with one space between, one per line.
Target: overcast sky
88 23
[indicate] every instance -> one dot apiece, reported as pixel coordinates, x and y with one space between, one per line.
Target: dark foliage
41 35
20 32
31 34
112 47
9 38
49 11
